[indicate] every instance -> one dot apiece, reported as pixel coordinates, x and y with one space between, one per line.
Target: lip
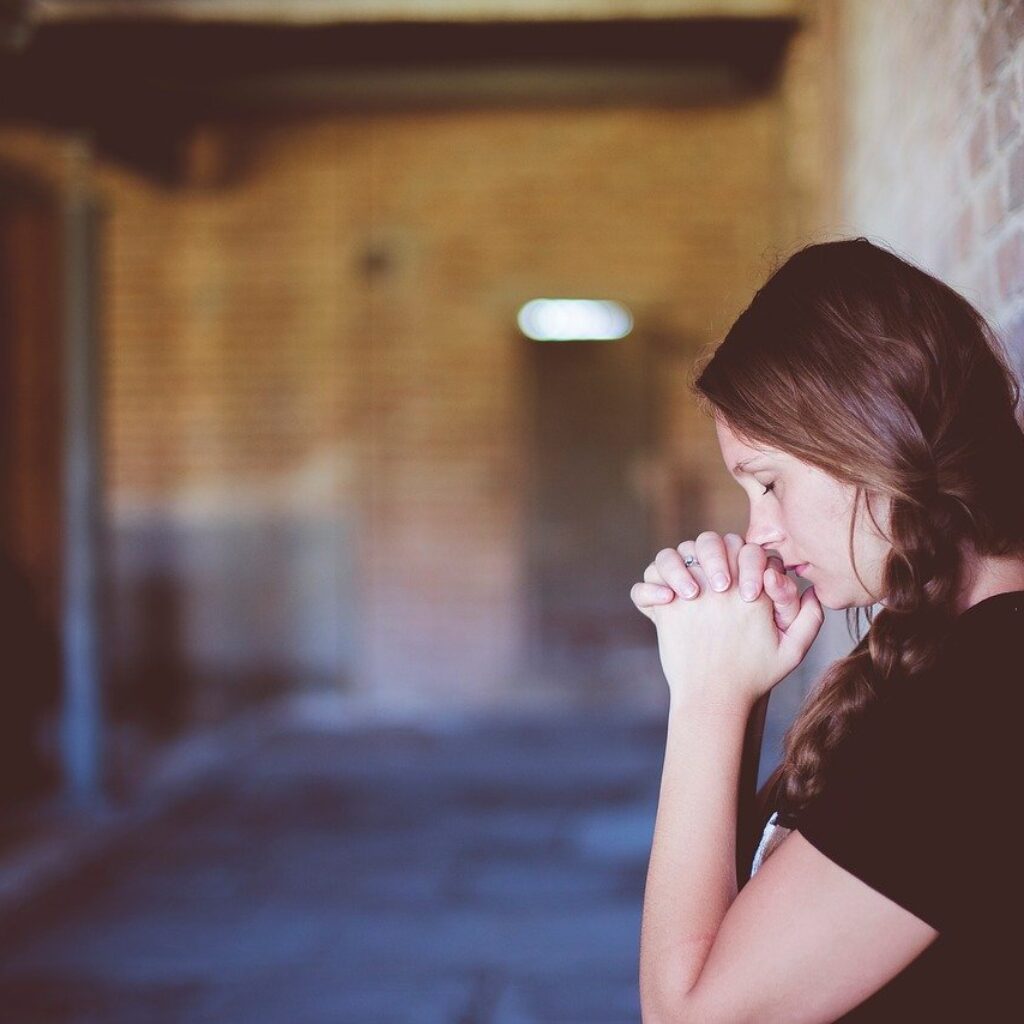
799 568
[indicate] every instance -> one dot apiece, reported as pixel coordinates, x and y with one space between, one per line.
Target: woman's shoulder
982 648
998 618
956 722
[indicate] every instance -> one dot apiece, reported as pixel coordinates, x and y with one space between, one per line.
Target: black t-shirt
921 801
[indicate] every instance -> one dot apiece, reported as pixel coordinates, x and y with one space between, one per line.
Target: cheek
821 519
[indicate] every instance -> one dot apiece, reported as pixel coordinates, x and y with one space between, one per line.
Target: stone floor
471 871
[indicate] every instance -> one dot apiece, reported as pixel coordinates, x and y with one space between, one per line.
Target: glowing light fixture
574 320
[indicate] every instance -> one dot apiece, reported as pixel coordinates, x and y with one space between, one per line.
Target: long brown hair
853 360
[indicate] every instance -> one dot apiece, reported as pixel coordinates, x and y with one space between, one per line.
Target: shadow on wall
160 687
209 614
31 690
156 692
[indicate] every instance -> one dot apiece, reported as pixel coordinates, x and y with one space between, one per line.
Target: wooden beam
510 85
321 12
139 87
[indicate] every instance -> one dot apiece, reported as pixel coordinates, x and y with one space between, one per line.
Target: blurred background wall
325 457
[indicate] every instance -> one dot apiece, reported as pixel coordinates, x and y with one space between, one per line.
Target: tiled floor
486 872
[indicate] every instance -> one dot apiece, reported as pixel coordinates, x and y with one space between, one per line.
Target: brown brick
1007 111
1015 178
993 47
1015 23
963 234
993 205
979 144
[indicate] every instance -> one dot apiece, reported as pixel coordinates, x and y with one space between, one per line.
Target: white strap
771 837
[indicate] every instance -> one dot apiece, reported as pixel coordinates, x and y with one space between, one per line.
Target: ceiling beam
321 12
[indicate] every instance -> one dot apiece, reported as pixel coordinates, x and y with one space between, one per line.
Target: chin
837 605
856 597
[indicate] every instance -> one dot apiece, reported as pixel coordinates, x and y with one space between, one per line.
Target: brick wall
315 385
316 401
933 143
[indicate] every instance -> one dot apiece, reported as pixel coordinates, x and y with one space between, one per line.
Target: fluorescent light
574 320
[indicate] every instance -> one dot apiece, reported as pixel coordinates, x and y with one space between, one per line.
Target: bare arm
691 875
804 942
749 797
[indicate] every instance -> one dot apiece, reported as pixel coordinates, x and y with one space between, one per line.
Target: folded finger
751 562
714 559
669 563
785 595
733 544
650 593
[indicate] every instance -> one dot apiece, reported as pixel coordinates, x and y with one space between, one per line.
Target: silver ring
689 560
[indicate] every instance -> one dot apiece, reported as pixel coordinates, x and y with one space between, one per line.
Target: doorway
589 530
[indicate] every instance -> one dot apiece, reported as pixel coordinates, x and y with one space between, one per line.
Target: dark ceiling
138 87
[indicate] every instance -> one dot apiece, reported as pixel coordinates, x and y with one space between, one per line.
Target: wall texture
318 459
315 388
933 143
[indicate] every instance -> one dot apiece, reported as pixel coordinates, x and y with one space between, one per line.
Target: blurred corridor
469 870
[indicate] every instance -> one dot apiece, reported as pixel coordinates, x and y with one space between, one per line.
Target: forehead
734 450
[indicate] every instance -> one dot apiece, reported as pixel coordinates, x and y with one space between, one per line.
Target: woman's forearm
749 809
691 875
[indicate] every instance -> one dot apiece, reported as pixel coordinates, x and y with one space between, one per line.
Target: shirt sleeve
892 808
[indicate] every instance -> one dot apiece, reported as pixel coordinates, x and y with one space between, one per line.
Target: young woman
870 414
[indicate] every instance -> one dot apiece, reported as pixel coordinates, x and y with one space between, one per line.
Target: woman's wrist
699 702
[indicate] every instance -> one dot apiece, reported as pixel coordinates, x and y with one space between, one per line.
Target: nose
763 528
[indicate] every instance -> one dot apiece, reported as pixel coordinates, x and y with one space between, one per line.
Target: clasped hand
720 648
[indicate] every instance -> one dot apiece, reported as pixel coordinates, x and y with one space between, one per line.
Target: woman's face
805 518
